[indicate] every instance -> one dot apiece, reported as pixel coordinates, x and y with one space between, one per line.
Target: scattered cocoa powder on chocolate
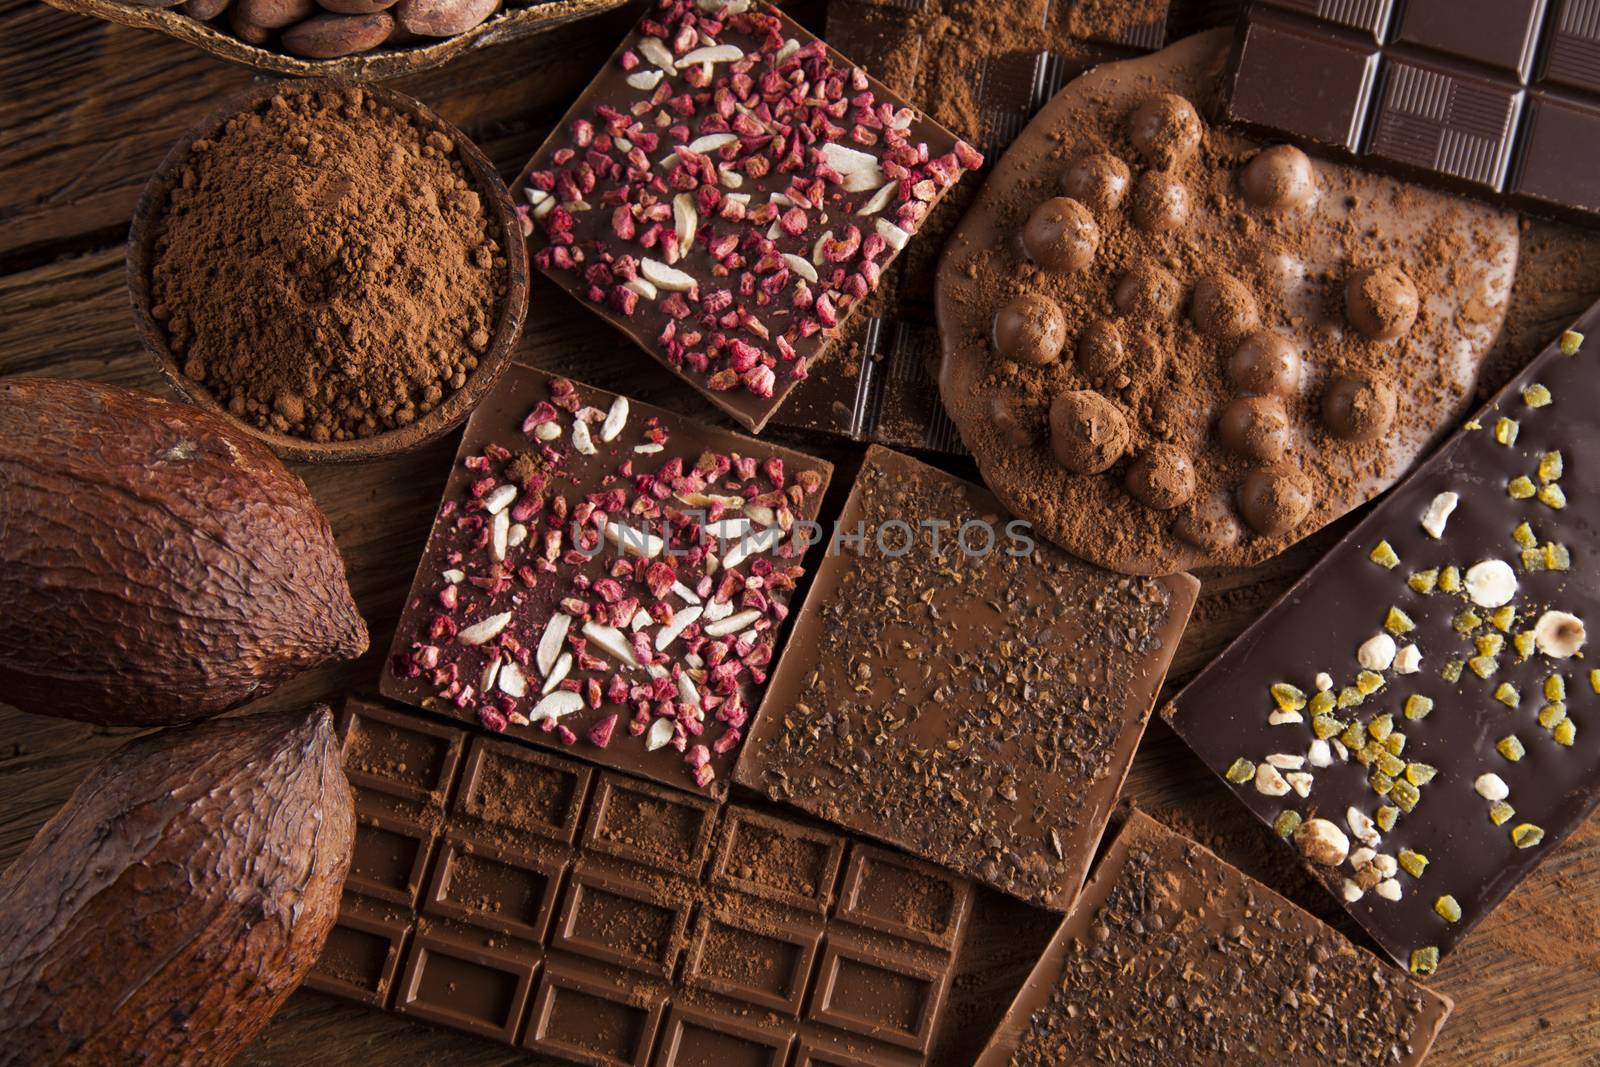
325 268
1282 336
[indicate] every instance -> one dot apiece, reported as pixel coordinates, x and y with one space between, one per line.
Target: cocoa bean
442 18
205 9
331 36
167 911
275 14
356 7
246 31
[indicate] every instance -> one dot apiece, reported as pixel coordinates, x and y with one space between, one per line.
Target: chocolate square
778 860
865 989
710 1035
1368 17
504 890
758 958
1550 165
642 823
1319 85
461 983
361 954
1572 56
638 923
508 786
1498 33
1445 121
583 1017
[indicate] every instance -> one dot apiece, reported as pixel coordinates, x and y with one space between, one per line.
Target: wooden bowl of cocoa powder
369 319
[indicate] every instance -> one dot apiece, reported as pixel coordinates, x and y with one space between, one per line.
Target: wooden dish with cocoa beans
331 267
355 39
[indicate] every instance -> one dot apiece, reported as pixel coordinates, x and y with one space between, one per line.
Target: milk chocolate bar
608 577
1172 955
958 689
1416 715
531 898
1494 98
883 393
728 190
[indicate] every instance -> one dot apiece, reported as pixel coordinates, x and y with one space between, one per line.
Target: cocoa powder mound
325 268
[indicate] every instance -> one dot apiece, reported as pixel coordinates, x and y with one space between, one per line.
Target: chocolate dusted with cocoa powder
728 190
595 918
1233 288
983 68
1172 955
1416 717
960 691
606 576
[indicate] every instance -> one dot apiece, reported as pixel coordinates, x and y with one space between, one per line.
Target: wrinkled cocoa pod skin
184 891
157 566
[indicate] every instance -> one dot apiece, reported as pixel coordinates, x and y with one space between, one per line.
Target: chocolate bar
1494 98
1172 955
1171 346
1415 715
726 192
606 576
984 712
1015 55
530 898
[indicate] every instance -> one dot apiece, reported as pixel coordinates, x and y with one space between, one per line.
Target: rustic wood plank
87 110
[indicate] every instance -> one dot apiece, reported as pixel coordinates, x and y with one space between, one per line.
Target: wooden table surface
87 110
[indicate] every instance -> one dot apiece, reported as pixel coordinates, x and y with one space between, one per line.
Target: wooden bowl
504 25
454 408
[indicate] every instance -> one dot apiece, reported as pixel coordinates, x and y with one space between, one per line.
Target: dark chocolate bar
728 190
1494 98
606 576
983 710
1415 715
527 897
1172 955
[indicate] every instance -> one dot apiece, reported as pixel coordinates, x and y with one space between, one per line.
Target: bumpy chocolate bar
1495 98
1171 955
1416 715
527 897
728 190
984 712
606 576
878 386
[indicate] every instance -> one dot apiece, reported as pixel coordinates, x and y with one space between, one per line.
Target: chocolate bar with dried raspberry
606 577
726 192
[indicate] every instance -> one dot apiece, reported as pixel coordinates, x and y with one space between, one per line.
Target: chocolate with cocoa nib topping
1171 955
960 690
606 576
1417 717
727 190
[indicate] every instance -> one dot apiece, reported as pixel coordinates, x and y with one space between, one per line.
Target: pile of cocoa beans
328 29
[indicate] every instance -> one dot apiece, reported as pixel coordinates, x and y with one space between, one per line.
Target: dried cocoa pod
183 892
205 9
274 14
157 565
356 7
442 18
332 36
